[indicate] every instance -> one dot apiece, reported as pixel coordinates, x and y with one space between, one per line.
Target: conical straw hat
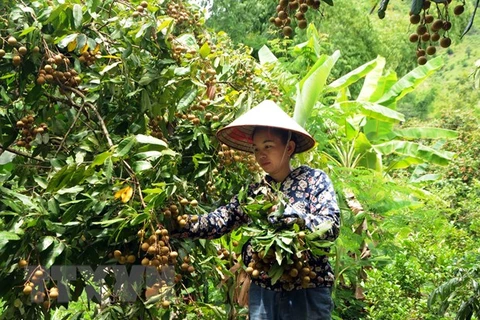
238 134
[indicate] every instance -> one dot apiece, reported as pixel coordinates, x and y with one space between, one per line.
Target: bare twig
19 153
109 140
70 128
94 109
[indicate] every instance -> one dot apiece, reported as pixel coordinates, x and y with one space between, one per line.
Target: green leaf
54 253
108 169
75 209
426 133
140 166
100 158
410 81
109 67
143 139
125 146
311 86
27 31
106 223
275 273
266 56
74 190
77 15
9 235
44 243
373 110
352 77
205 50
61 178
63 43
415 150
187 99
7 157
372 81
139 219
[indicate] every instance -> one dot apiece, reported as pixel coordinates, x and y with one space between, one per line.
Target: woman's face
272 154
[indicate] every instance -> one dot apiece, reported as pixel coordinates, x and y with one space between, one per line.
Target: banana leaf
372 80
426 133
410 81
414 150
311 86
353 76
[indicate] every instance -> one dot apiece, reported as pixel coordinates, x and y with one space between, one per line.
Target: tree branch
19 153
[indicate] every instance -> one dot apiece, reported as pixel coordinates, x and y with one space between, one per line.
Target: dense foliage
107 149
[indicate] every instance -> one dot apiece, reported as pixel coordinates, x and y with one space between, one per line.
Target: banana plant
369 127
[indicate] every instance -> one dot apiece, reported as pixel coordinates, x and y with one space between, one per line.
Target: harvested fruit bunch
281 254
432 25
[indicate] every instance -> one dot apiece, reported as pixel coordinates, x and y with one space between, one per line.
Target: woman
274 138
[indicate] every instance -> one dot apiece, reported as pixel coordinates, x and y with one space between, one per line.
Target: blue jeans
305 304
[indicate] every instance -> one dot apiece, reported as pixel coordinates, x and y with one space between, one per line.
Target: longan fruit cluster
228 156
140 9
298 271
28 131
177 214
35 278
18 50
433 24
56 70
88 57
156 131
181 15
293 9
195 117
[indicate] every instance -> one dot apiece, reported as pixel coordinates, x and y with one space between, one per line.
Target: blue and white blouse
310 196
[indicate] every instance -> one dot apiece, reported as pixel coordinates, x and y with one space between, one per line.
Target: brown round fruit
41 80
302 24
420 52
12 41
422 60
283 15
27 290
2 53
429 18
287 31
458 10
22 263
431 50
165 304
117 254
413 37
17 60
447 25
435 36
437 25
53 293
425 37
144 4
445 42
414 18
421 29
22 50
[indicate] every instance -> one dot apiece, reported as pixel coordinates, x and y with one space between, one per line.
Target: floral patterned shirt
311 197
